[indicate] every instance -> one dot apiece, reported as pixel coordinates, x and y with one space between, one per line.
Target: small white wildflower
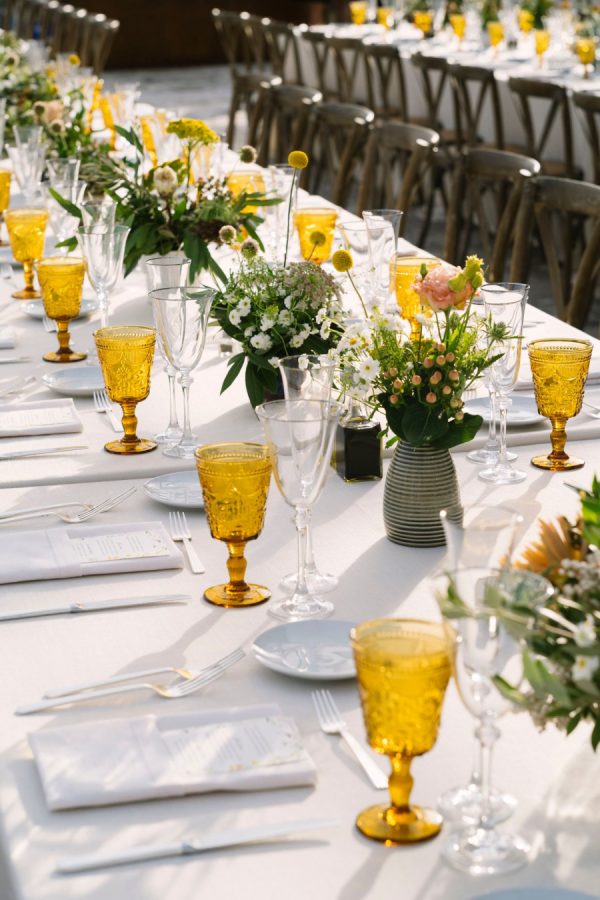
244 307
284 317
368 369
325 330
585 633
303 362
235 317
287 302
267 322
261 341
584 667
274 361
165 181
249 331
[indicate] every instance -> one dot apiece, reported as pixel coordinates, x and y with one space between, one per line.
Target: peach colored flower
54 110
416 380
436 378
434 289
430 397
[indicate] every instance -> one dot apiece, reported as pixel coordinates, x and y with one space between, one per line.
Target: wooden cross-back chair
562 209
588 105
319 43
348 64
398 163
282 50
487 192
538 128
386 83
98 35
474 92
335 143
289 110
11 15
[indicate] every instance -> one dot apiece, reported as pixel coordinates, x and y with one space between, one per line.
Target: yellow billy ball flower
298 159
74 59
342 261
317 238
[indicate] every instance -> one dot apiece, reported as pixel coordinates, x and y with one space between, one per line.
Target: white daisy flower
261 341
235 317
267 322
368 369
585 632
584 667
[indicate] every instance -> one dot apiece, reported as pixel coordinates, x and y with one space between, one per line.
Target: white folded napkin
7 338
39 417
79 550
125 760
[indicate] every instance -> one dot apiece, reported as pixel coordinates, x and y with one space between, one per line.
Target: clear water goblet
98 211
300 434
63 171
168 272
505 305
308 377
27 163
181 317
283 187
354 236
62 224
383 229
103 250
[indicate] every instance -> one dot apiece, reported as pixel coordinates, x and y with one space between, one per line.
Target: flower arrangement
165 208
419 384
66 130
275 311
20 83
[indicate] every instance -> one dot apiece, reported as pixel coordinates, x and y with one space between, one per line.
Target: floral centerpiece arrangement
21 85
165 208
65 124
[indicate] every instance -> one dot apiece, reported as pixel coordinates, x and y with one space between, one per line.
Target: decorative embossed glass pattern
309 221
235 481
61 281
5 176
125 353
403 668
26 231
559 368
403 272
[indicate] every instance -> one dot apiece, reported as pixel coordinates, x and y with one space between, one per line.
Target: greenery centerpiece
22 85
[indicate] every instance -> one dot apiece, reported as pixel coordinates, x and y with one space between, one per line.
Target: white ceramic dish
75 381
315 650
523 410
35 308
178 489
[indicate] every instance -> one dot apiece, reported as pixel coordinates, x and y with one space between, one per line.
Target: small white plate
523 410
316 650
180 489
35 308
534 893
76 381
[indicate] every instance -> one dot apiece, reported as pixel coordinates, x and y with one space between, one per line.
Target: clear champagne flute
103 250
383 229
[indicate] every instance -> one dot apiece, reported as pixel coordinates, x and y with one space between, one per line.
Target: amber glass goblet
61 281
585 48
458 23
125 353
495 32
559 368
5 176
423 20
542 42
235 481
26 231
403 667
309 221
250 181
403 272
358 11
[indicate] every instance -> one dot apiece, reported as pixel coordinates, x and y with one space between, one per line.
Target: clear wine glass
308 377
168 272
484 650
300 434
27 163
383 229
283 187
62 223
505 305
103 249
99 211
63 171
181 317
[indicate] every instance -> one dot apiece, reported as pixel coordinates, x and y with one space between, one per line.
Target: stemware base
502 475
557 465
482 852
26 294
463 804
488 457
294 609
168 436
182 450
399 826
316 582
71 356
142 445
222 595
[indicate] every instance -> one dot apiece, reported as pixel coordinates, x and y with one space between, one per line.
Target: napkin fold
7 338
149 757
39 417
79 550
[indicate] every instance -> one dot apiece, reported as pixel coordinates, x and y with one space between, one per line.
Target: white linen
39 417
126 760
72 552
7 338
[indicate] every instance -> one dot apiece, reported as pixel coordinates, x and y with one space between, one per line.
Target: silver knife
14 359
41 451
213 841
95 605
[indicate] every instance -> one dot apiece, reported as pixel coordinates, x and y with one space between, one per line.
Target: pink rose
434 290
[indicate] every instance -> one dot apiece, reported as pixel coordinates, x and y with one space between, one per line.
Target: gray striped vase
419 483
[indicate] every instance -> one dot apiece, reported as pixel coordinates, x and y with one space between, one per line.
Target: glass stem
400 782
185 382
558 437
492 438
63 338
129 420
309 560
502 456
103 301
302 519
28 274
487 734
236 566
173 420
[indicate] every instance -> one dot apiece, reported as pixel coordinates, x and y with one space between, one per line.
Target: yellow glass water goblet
585 48
26 232
559 368
458 23
385 16
542 42
403 667
309 221
235 481
495 32
5 176
61 281
525 20
403 272
125 353
358 11
423 20
251 181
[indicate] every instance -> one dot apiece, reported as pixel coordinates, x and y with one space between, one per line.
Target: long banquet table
555 779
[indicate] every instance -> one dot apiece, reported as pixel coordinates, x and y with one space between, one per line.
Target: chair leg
233 108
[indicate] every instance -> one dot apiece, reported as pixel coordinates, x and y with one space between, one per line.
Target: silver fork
75 518
102 405
49 324
173 692
331 722
180 531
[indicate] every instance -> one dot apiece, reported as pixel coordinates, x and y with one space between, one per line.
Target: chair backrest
281 43
260 113
336 140
12 13
255 39
555 98
290 107
473 88
386 84
567 215
433 73
233 34
348 62
589 106
398 158
318 41
487 192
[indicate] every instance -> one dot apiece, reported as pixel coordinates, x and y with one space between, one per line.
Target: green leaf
216 268
511 693
129 135
66 204
459 432
596 734
254 385
422 426
235 364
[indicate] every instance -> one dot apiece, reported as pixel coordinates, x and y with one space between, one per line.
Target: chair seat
558 169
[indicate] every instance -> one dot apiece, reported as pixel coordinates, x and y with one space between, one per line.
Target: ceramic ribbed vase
419 483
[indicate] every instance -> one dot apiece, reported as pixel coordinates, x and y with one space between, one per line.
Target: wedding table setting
164 733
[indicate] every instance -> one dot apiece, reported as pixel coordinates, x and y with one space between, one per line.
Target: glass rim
577 345
379 627
111 332
263 410
157 293
99 228
265 454
324 360
168 261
